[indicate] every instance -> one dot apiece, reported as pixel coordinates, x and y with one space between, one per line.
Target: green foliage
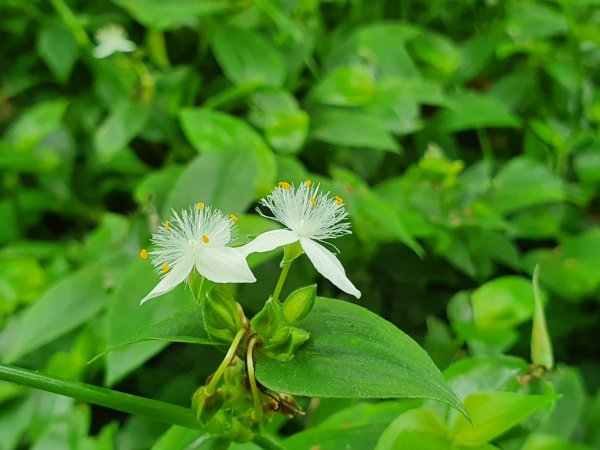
463 139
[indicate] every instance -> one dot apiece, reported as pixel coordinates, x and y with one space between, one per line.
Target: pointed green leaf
354 353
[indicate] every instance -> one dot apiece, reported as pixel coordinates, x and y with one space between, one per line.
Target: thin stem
232 94
132 404
71 21
227 360
282 276
267 443
252 376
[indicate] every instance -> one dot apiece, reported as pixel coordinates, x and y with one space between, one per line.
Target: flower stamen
144 254
205 239
308 183
167 224
234 217
340 200
285 185
200 205
313 201
166 268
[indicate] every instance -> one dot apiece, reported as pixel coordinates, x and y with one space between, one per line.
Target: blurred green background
463 136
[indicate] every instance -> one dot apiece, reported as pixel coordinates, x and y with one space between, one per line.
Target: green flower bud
206 403
270 324
299 303
221 317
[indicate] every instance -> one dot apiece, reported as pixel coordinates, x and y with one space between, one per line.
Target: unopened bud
299 303
221 317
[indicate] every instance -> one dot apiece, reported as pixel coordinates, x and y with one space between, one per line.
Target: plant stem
267 443
71 21
231 94
282 276
132 404
228 357
252 377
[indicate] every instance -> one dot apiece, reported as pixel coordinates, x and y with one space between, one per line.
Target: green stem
227 360
71 21
252 376
231 94
282 276
267 443
132 404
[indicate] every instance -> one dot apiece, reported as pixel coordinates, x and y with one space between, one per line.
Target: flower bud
221 317
299 303
206 403
270 324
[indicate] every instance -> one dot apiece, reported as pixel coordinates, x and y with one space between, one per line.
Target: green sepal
221 317
291 252
299 303
285 349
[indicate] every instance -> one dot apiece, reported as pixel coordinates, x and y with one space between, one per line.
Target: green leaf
186 325
213 131
351 129
485 373
36 123
472 111
494 413
355 427
523 183
345 86
383 45
347 342
285 125
59 50
227 182
123 123
128 322
540 441
178 437
437 51
172 14
63 307
247 58
503 303
418 429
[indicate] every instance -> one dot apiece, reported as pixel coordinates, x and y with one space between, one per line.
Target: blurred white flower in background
112 39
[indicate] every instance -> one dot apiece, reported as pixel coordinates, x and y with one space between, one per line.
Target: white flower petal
328 265
268 241
224 265
176 275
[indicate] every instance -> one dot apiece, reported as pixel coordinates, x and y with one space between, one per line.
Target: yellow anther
205 239
234 217
144 254
201 205
166 268
340 200
308 183
167 225
284 185
313 201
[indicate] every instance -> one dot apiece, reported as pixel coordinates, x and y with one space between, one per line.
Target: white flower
197 238
309 216
112 39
